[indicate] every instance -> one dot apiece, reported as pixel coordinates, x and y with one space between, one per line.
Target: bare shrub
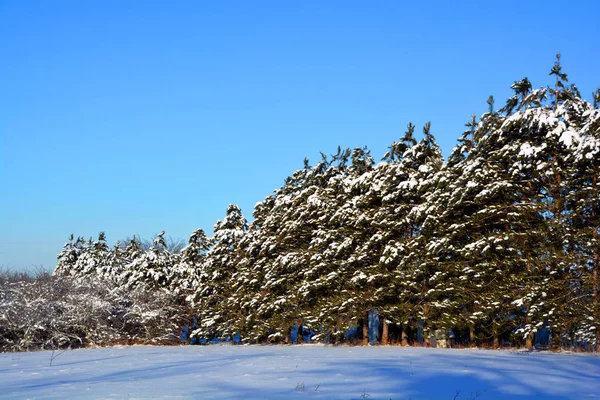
49 312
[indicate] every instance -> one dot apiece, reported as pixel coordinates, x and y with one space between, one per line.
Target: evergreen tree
583 201
420 165
154 268
114 263
474 226
93 255
214 284
192 257
68 256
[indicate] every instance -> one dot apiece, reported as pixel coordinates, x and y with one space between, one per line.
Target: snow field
297 372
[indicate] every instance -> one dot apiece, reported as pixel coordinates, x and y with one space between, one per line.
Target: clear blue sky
132 117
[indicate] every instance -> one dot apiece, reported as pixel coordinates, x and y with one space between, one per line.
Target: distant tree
154 268
67 258
173 245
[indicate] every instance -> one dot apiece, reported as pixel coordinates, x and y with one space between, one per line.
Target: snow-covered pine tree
420 164
214 281
538 137
397 187
68 256
583 201
133 250
190 265
479 232
287 231
246 289
154 268
274 288
93 255
255 283
403 255
338 265
378 202
113 264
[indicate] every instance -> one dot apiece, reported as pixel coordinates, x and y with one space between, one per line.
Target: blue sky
136 117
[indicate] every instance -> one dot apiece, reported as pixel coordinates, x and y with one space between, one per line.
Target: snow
298 372
569 137
526 150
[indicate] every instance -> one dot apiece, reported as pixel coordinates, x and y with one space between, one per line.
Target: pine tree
583 200
114 263
421 165
474 217
189 268
384 198
152 269
92 257
68 256
217 269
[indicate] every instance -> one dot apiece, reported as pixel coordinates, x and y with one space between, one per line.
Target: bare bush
48 312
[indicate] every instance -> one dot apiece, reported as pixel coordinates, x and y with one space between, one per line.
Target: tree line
494 244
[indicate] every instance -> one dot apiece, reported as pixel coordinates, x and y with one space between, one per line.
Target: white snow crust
297 372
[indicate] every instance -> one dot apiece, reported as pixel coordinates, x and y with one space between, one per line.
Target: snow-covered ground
298 372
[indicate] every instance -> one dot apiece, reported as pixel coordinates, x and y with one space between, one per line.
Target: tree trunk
595 267
426 335
384 335
300 338
595 290
529 341
529 338
472 339
404 335
366 331
495 341
555 339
